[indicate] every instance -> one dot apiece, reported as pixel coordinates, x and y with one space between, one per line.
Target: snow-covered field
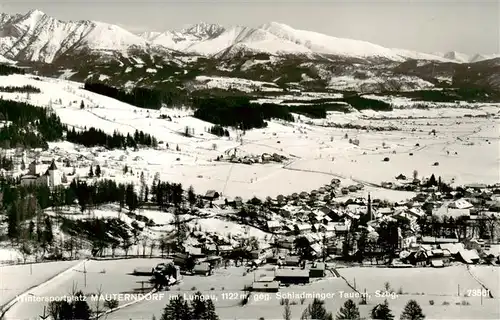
317 151
89 277
16 279
488 276
447 289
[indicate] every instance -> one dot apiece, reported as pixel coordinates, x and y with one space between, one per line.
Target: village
309 234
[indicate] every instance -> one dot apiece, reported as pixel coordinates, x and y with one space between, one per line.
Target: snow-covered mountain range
465 58
35 36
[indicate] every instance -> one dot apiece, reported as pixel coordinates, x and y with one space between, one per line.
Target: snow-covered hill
35 36
311 143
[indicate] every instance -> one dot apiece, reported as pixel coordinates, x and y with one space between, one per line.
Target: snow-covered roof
273 224
460 204
316 247
453 248
292 273
469 255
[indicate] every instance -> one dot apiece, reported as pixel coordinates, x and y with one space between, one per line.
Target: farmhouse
203 268
453 248
273 225
438 258
469 256
265 284
211 195
302 227
292 261
292 276
317 270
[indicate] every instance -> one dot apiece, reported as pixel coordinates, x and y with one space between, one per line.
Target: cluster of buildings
51 177
251 159
325 223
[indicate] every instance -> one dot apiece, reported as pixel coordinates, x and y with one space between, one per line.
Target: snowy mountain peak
204 30
275 27
149 35
34 18
35 13
457 56
36 36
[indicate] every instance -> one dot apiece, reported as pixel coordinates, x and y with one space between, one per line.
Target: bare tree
99 305
152 246
114 245
287 313
144 243
126 244
163 245
26 250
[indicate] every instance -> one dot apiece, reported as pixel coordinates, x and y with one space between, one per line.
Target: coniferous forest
139 97
28 126
238 112
26 202
24 89
95 137
241 113
32 127
219 131
6 70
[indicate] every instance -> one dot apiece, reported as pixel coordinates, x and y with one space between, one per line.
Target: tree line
200 308
451 95
139 96
24 89
219 131
362 103
238 112
6 70
77 308
203 309
95 137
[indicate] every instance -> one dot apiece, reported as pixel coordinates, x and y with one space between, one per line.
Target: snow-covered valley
317 151
457 142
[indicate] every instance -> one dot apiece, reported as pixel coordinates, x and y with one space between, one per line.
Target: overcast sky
430 26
